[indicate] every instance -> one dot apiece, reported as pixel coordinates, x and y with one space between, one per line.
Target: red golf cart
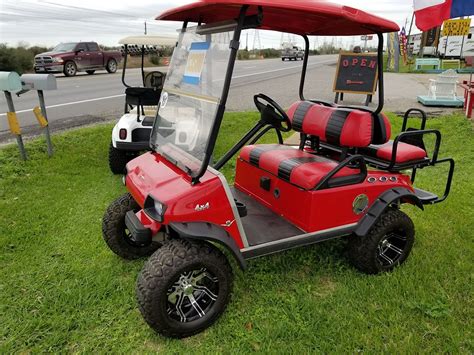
345 178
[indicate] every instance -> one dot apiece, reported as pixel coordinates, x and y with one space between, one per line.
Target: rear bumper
132 146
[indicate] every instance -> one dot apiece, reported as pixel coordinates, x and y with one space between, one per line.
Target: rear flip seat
382 147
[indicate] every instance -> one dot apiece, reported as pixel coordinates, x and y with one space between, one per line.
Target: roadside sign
356 73
456 27
366 38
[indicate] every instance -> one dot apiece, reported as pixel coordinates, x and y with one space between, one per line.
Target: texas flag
432 13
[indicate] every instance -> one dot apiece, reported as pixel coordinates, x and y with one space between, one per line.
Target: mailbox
38 82
10 81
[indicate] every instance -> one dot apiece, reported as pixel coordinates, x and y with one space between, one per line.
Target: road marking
275 70
72 103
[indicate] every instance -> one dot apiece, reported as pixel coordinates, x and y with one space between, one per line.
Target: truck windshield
190 97
64 47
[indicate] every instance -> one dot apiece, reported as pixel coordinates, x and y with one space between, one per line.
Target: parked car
292 53
71 57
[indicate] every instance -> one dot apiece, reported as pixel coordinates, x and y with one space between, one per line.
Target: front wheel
184 288
118 159
116 234
111 66
387 244
70 68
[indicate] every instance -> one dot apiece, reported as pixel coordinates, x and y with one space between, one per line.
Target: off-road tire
90 72
163 268
118 159
363 250
111 66
70 68
114 230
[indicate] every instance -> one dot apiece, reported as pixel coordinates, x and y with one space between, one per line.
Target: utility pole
247 42
145 26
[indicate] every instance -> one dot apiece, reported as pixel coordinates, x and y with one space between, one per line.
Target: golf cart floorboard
261 224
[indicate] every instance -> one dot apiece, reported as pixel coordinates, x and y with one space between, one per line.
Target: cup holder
241 208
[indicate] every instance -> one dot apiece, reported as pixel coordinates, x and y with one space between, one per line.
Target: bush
18 59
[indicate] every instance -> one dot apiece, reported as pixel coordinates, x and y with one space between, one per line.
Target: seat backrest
346 127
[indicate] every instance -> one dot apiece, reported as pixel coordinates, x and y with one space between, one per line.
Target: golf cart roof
150 40
304 17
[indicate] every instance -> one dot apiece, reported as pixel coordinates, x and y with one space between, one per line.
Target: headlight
154 208
57 60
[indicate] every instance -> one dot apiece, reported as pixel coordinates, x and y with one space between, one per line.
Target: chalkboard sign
356 73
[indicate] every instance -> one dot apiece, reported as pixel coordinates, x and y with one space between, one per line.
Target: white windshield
190 97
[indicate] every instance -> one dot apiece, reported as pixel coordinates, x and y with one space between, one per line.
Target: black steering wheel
154 79
272 113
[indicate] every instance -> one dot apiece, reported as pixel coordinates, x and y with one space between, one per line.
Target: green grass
61 289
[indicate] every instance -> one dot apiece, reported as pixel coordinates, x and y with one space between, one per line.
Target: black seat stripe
335 125
255 153
286 166
299 115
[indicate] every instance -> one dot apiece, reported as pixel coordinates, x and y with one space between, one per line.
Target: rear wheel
90 72
118 159
111 66
116 234
387 244
184 288
70 68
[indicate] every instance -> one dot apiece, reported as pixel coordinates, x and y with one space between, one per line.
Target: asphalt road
86 97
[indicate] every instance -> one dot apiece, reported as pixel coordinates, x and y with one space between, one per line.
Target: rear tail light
123 133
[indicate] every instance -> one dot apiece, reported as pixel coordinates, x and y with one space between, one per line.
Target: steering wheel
154 79
272 113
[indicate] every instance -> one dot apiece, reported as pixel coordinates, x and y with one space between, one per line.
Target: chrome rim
70 69
192 295
112 66
391 249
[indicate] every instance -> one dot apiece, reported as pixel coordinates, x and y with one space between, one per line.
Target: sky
48 22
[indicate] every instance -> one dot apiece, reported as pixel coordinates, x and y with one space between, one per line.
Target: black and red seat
346 128
334 128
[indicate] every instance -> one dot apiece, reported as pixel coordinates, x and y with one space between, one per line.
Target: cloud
48 22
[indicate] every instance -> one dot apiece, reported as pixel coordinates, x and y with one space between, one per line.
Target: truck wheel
90 72
111 66
70 69
116 234
387 244
184 288
118 159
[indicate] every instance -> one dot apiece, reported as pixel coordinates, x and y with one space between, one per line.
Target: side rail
406 116
354 161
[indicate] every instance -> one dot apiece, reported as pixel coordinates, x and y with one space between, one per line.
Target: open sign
356 73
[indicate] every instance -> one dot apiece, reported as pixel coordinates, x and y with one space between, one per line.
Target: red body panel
314 210
151 174
308 17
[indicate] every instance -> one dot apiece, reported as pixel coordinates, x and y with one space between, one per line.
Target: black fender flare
209 232
381 204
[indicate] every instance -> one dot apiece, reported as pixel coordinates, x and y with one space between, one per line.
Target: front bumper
49 68
139 233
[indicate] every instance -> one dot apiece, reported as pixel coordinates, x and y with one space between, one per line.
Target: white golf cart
131 134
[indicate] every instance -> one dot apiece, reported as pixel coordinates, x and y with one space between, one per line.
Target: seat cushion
405 152
297 167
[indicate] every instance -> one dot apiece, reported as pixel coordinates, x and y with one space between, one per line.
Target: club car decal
195 63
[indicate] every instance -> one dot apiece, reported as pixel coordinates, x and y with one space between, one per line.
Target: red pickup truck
69 58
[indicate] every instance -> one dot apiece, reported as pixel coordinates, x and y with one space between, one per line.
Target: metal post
19 139
46 132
